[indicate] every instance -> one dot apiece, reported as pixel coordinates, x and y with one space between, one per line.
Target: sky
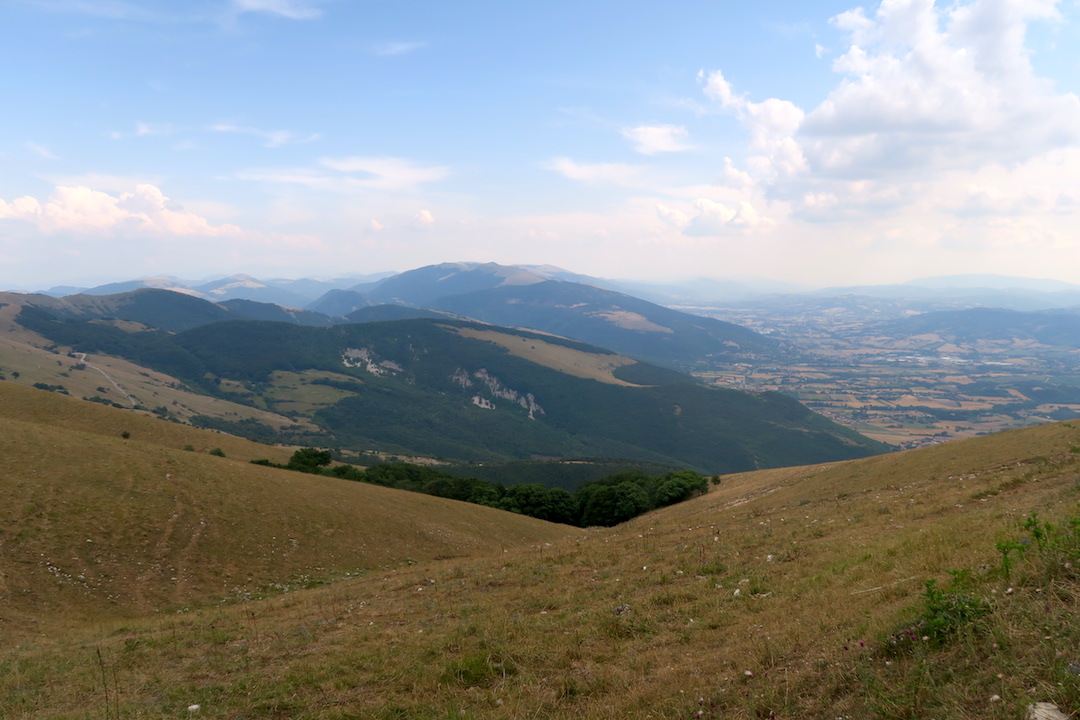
810 141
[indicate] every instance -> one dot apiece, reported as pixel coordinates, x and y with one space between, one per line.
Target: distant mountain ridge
554 301
286 292
1059 329
163 309
448 388
543 298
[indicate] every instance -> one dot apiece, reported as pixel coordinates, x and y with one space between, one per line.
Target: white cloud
142 129
116 184
718 88
41 151
928 89
714 218
389 49
931 99
385 173
612 173
671 216
734 177
771 125
144 212
653 139
80 209
270 138
292 9
424 219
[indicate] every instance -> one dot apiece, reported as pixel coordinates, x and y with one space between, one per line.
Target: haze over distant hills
437 387
541 298
965 291
1019 293
763 337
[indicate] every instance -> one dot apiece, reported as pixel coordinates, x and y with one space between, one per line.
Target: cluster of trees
607 501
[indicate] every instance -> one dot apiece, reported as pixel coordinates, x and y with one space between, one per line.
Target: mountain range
439 387
546 299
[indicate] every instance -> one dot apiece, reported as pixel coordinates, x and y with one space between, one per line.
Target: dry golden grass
769 596
591 366
93 525
18 402
113 379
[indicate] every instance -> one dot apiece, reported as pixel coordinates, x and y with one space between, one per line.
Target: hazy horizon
974 281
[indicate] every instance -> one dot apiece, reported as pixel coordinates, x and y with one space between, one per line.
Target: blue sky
816 142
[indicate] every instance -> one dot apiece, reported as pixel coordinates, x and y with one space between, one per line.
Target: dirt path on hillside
170 557
107 376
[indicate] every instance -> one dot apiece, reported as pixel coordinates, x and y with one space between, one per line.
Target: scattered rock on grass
1045 711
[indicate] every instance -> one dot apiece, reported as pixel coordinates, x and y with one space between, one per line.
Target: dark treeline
607 501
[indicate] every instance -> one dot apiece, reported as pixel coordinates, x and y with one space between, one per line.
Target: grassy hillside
623 323
95 526
777 594
467 391
27 358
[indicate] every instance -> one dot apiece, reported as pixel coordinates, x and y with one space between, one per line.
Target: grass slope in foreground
775 595
95 526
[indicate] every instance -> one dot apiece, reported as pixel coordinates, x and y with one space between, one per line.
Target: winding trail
131 400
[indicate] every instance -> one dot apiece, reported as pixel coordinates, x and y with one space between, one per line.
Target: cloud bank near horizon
935 136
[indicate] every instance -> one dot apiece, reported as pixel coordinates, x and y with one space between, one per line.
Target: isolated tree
678 486
612 504
309 459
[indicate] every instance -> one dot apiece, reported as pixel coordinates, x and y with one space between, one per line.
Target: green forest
606 501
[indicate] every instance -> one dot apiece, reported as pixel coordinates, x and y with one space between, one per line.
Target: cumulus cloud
653 139
926 88
771 125
423 219
81 209
714 218
925 91
144 211
672 216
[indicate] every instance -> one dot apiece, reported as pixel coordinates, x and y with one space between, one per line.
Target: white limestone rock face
1045 711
